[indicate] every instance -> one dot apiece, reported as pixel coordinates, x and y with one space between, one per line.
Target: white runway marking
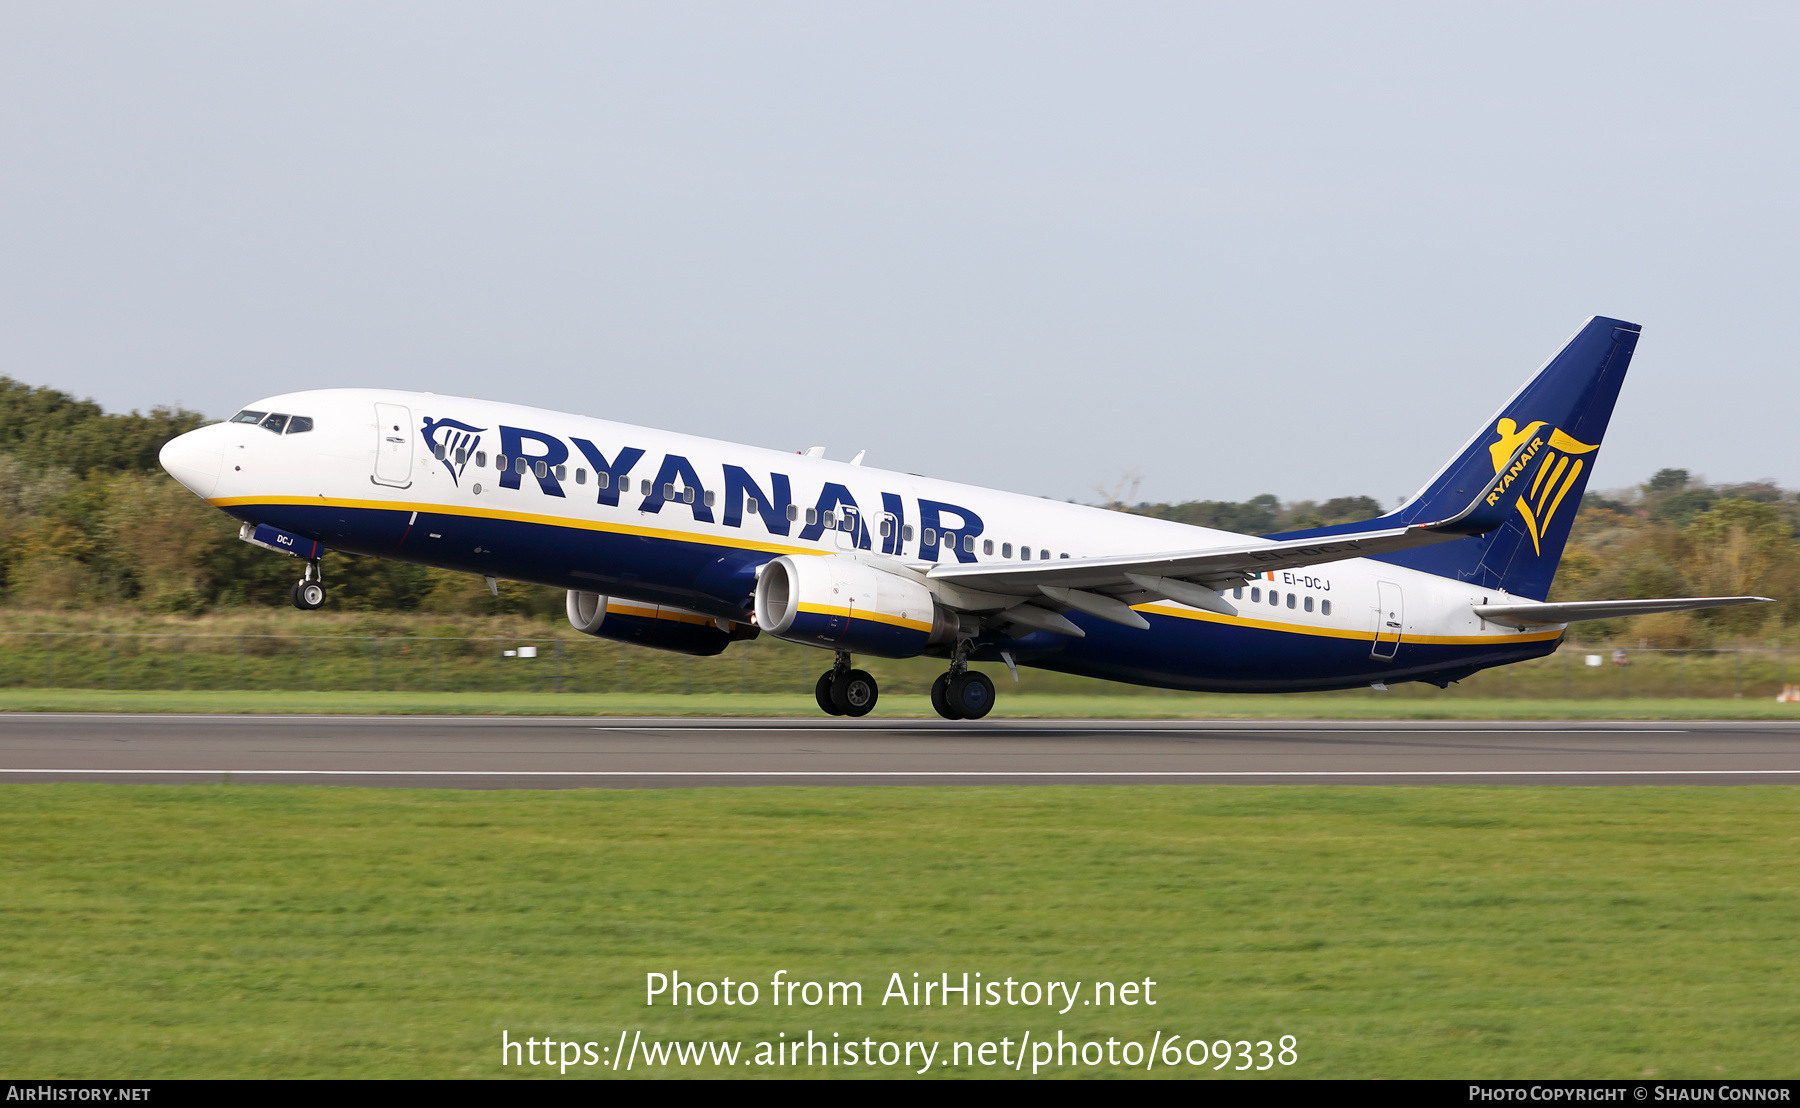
920 773
1124 731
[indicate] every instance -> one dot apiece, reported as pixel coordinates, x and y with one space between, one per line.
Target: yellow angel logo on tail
1554 478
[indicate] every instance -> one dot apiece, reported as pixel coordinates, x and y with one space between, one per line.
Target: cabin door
1390 617
393 445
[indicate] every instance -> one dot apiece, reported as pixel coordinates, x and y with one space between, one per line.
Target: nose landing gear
308 593
843 691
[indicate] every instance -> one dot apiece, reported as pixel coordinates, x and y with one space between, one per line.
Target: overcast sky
1300 249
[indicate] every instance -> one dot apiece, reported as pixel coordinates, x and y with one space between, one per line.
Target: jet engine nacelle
657 626
833 602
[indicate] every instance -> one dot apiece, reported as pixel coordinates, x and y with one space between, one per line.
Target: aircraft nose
194 459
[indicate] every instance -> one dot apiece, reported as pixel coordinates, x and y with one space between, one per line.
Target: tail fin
1537 452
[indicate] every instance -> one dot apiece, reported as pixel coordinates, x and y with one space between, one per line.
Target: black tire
307 596
855 693
940 697
972 695
822 693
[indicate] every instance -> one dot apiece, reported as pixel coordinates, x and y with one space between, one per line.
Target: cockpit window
275 422
299 424
248 417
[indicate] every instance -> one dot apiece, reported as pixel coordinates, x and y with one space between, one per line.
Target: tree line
88 518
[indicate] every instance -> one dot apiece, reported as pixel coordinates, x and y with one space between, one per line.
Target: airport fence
554 664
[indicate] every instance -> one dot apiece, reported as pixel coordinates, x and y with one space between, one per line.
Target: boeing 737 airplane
690 544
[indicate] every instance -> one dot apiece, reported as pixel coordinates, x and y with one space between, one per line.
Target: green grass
1450 932
1360 704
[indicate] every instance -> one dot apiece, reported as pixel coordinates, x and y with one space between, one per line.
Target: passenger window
1308 604
906 533
275 422
1256 596
1025 553
299 425
562 473
580 476
668 490
709 499
462 456
812 516
438 452
522 466
1006 550
1291 601
602 480
248 417
968 544
1237 594
481 459
987 546
793 512
1043 555
1274 597
930 537
1062 556
543 469
500 462
829 521
1324 607
749 503
687 495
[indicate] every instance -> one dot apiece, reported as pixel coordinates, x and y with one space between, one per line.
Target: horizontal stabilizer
1538 615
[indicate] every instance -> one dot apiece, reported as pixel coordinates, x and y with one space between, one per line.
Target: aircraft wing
1034 595
1228 564
1185 575
1538 615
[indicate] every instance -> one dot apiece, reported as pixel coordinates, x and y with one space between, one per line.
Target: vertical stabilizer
1535 456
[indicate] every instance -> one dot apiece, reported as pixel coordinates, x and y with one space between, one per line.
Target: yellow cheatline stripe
651 611
1335 633
874 617
746 544
521 517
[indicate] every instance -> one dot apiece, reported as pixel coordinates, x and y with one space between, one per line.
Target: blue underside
1174 653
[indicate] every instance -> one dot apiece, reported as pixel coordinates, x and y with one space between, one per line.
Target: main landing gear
962 693
308 593
843 691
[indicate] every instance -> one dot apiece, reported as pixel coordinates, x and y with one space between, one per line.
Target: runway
536 752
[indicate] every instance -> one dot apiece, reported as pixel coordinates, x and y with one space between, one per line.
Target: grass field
1360 704
1455 932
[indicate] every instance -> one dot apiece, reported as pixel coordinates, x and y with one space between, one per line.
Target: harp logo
1539 470
451 442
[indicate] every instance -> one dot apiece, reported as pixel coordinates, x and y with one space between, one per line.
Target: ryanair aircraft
690 544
